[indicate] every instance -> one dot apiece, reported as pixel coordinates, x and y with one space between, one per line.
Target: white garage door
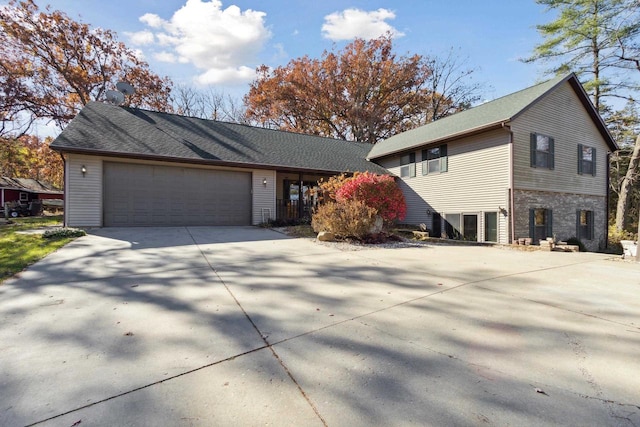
147 195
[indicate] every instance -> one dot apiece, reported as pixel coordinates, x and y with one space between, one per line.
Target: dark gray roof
485 116
105 129
28 184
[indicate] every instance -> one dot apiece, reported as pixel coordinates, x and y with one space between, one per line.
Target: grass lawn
18 251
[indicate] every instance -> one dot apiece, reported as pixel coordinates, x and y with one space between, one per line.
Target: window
540 224
24 197
542 151
453 227
584 225
461 226
490 226
434 160
470 227
408 165
586 160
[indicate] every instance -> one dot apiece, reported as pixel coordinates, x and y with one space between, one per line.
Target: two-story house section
530 164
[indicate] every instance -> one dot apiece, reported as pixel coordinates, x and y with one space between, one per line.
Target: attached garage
154 195
131 167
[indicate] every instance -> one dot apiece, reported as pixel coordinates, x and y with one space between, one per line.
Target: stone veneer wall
563 206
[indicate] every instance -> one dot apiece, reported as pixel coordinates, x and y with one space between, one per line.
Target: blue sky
219 43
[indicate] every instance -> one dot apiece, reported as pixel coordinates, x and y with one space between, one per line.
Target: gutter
64 193
205 162
467 132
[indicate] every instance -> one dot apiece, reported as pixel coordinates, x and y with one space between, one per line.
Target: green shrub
59 233
615 237
577 242
349 218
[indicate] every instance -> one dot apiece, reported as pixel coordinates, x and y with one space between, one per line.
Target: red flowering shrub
350 205
377 191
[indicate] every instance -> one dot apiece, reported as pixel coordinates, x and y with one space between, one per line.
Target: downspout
606 203
64 190
512 222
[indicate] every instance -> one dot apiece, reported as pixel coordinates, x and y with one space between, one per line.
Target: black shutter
593 159
551 153
591 223
549 222
580 159
532 223
533 149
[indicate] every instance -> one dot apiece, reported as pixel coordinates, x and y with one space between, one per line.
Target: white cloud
141 38
152 20
221 42
229 75
165 56
352 23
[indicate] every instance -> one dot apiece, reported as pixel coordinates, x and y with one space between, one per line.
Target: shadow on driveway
245 326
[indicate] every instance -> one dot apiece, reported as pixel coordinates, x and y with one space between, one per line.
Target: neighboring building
530 164
24 190
131 167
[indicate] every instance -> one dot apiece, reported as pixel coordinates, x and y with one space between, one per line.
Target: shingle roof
28 184
484 116
105 129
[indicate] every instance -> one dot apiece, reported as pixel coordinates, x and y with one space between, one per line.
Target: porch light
264 181
83 169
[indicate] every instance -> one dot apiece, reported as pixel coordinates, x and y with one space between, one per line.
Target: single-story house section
24 190
533 164
131 167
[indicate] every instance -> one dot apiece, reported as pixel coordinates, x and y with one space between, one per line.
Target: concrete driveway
212 326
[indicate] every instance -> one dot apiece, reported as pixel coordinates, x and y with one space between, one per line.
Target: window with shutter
584 224
540 224
542 151
586 160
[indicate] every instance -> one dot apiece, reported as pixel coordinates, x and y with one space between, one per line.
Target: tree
625 128
207 104
584 38
364 92
30 157
598 39
51 65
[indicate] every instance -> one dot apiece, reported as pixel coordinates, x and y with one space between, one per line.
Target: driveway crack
262 336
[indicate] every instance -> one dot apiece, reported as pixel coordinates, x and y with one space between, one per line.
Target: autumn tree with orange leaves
363 93
52 65
30 157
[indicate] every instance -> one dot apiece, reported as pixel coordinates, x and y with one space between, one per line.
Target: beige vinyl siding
264 197
83 193
560 115
477 181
